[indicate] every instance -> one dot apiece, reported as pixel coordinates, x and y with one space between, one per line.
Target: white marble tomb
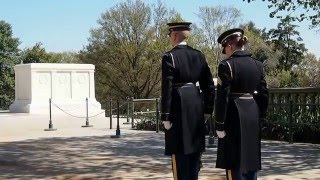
68 85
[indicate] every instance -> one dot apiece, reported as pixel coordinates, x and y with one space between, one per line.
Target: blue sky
64 25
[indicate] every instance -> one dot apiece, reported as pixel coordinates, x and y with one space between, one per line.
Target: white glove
167 124
221 134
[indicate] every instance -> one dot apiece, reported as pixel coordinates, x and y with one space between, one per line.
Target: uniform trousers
237 175
186 167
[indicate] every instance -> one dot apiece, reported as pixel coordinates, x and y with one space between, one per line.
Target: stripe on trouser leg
174 167
229 175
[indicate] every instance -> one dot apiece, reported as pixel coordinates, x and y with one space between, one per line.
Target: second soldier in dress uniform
242 99
183 109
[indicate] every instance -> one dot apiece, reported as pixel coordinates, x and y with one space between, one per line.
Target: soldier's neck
180 43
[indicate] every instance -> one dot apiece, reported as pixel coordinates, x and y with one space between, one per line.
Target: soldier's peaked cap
179 26
226 36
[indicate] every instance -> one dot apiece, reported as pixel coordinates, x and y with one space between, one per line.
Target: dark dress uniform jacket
242 99
181 103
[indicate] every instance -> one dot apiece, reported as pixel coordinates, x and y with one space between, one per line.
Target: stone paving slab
27 152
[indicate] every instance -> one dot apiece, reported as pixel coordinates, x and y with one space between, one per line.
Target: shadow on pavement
136 156
284 158
99 157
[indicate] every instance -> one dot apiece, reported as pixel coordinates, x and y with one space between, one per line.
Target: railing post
87 115
110 113
290 123
50 119
271 101
294 101
277 101
313 102
128 111
303 101
132 112
118 116
211 126
157 115
118 134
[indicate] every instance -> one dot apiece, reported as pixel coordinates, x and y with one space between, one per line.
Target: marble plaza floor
76 153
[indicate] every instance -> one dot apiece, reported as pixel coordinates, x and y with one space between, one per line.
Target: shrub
147 122
305 125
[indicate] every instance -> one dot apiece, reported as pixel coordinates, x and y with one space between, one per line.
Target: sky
64 25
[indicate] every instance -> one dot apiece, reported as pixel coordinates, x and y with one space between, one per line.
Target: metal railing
67 111
286 120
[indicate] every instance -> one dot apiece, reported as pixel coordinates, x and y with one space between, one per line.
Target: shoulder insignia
230 69
172 60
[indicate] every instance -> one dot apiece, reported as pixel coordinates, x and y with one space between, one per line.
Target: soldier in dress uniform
183 109
242 100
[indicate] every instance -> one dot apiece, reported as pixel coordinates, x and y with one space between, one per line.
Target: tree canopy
213 22
38 54
287 39
127 47
8 58
298 9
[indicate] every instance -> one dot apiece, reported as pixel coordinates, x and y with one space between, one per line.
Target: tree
257 42
287 39
35 54
127 48
214 21
64 57
311 10
279 50
8 58
308 71
38 54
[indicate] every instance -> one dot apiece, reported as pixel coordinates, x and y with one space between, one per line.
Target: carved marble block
68 85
